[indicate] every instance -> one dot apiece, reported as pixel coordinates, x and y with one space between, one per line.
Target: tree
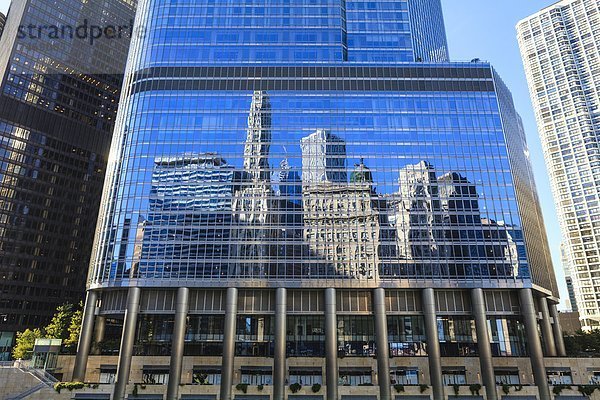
25 341
583 344
58 328
75 327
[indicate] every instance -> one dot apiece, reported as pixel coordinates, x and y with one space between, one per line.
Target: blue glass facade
439 198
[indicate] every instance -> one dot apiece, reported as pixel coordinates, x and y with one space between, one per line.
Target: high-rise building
2 22
412 229
560 46
58 105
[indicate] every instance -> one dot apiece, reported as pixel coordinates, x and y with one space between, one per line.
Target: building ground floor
324 343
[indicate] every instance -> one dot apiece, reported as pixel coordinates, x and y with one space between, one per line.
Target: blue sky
486 30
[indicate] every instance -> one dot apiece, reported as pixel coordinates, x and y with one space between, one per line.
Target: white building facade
560 47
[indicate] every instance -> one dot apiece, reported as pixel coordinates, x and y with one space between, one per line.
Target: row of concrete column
552 341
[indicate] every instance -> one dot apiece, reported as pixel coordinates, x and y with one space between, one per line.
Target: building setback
382 208
58 104
560 46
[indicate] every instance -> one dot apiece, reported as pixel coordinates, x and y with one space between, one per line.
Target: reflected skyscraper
254 206
323 158
376 205
188 218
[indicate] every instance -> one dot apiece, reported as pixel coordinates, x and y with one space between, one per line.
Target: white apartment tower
560 46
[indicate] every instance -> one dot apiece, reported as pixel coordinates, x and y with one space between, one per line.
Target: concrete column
229 343
557 330
85 336
279 367
383 347
488 377
178 341
127 341
536 354
433 344
331 345
546 327
99 329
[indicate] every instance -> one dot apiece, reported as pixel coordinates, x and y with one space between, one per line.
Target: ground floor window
508 337
305 336
356 377
108 374
257 375
406 335
155 375
454 376
404 376
206 375
507 377
559 376
306 376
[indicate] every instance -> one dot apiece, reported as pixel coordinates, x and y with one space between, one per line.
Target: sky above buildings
486 30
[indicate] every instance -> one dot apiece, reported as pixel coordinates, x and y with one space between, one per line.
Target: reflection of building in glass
254 206
440 230
323 158
417 213
186 232
341 223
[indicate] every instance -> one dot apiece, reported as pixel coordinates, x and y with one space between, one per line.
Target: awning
91 396
156 368
256 368
306 370
215 368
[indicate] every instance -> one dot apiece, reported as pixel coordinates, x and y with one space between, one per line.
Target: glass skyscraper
298 186
560 46
58 105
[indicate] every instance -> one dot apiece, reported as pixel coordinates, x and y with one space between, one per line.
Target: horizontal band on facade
311 84
410 71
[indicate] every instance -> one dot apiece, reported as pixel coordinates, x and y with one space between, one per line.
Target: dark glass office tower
298 190
2 22
58 105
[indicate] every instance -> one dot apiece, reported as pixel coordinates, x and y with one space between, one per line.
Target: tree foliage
25 341
58 328
65 325
586 344
75 327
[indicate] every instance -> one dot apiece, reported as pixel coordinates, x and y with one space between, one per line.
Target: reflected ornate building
341 224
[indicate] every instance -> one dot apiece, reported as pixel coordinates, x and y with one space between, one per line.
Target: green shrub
242 387
316 388
505 388
475 388
423 387
399 388
58 386
260 387
587 390
295 387
456 389
557 389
